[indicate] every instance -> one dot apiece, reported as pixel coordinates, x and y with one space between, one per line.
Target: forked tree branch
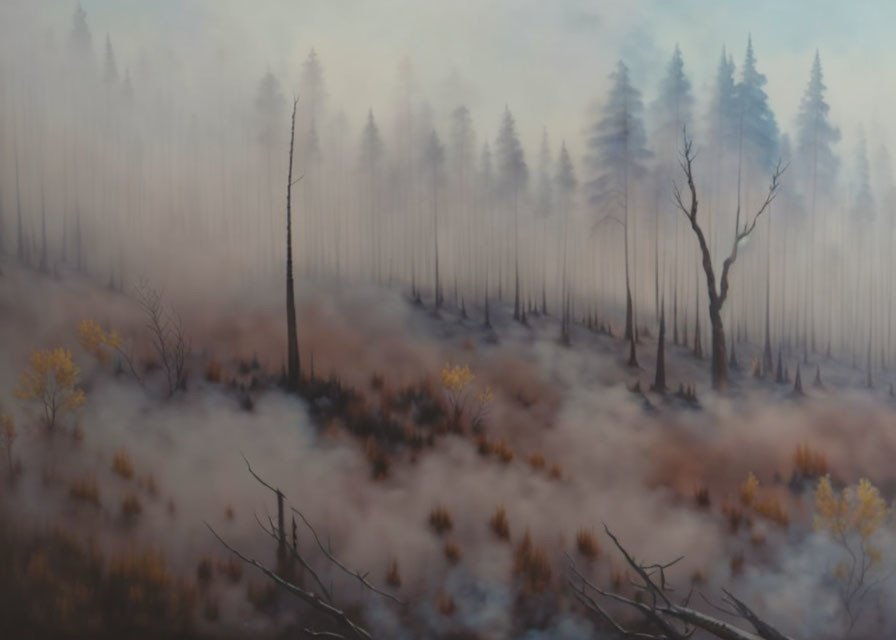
673 621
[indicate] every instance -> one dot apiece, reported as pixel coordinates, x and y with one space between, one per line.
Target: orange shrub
232 568
213 372
440 520
122 464
505 453
701 497
586 544
536 461
531 566
393 576
446 605
130 505
747 490
499 524
204 572
453 553
771 509
85 490
809 463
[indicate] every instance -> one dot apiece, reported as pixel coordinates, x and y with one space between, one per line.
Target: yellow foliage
122 464
748 489
456 377
51 380
96 341
860 510
852 517
463 399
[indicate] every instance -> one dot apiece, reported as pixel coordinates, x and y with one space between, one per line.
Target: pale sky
548 60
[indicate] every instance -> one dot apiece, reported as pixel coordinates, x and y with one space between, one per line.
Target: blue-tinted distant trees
615 157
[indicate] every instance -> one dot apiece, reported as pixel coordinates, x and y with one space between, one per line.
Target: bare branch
665 615
298 556
355 574
256 476
308 597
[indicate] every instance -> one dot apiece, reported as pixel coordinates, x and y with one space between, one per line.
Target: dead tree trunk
659 380
718 295
292 340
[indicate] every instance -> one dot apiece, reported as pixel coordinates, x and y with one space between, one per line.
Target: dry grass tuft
771 509
737 563
556 472
735 516
503 451
537 461
586 545
453 552
211 610
213 371
231 568
204 573
85 490
809 463
152 488
122 464
130 505
262 596
446 605
498 523
747 490
393 576
440 520
531 566
757 539
701 497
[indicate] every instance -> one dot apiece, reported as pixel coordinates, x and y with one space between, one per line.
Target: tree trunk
719 349
659 381
292 346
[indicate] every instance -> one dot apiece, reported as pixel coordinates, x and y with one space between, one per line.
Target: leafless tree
167 335
666 619
292 347
323 602
718 295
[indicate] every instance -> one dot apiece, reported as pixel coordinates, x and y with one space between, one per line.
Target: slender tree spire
292 340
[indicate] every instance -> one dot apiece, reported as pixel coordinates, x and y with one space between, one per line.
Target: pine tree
486 197
80 40
671 114
462 163
758 130
544 209
371 155
616 152
313 87
435 158
566 183
512 177
110 72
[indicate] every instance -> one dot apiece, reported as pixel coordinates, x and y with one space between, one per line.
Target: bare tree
322 603
168 337
718 295
667 619
292 339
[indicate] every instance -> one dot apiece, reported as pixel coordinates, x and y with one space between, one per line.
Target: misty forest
587 328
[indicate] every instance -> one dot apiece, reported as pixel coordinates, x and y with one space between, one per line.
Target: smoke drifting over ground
434 224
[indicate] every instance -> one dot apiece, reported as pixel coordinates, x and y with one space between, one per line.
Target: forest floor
460 468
